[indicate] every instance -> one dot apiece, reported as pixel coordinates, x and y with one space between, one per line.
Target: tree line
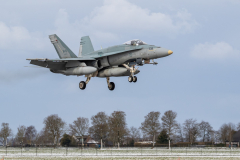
112 129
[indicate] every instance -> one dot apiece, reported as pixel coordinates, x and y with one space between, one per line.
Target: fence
112 151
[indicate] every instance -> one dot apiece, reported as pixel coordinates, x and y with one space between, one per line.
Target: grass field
122 153
121 158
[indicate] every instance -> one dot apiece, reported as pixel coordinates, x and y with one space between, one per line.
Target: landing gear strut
111 85
82 84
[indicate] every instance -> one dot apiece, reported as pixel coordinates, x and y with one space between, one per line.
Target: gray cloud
121 16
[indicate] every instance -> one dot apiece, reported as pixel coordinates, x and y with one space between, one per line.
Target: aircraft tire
111 86
82 85
130 79
134 79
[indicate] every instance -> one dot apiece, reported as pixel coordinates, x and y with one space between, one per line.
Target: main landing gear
111 85
132 79
132 70
82 84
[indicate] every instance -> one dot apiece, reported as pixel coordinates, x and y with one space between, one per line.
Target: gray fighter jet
115 61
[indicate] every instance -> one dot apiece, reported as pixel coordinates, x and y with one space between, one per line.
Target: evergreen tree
131 143
163 137
66 140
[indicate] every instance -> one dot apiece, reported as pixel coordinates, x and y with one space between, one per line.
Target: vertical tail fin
61 48
85 46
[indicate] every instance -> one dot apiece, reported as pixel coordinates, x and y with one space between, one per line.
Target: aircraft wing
116 52
58 64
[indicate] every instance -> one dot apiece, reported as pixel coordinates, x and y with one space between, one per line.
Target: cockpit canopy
135 42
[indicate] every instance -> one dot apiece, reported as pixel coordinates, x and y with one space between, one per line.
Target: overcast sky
200 80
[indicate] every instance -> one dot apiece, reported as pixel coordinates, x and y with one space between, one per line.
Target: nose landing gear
111 85
82 85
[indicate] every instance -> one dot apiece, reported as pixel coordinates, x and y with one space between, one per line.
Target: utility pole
230 138
82 140
101 142
153 139
216 141
118 134
118 139
101 136
169 143
21 147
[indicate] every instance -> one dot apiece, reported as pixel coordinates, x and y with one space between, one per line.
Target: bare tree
79 127
134 133
54 127
223 133
5 132
231 131
30 134
117 126
212 136
169 122
191 130
179 133
206 131
20 137
238 126
151 125
1 139
99 127
145 137
37 137
42 137
226 132
11 140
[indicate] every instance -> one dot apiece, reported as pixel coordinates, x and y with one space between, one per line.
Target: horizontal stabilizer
57 64
64 59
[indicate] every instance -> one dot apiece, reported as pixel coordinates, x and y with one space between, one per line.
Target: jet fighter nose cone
170 52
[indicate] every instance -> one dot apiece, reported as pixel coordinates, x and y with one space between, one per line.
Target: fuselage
144 52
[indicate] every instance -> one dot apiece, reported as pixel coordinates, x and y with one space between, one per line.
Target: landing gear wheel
82 85
130 79
111 86
134 79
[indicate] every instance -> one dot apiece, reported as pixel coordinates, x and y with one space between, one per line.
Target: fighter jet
115 61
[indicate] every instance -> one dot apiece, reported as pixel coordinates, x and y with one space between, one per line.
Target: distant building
146 142
87 141
235 141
